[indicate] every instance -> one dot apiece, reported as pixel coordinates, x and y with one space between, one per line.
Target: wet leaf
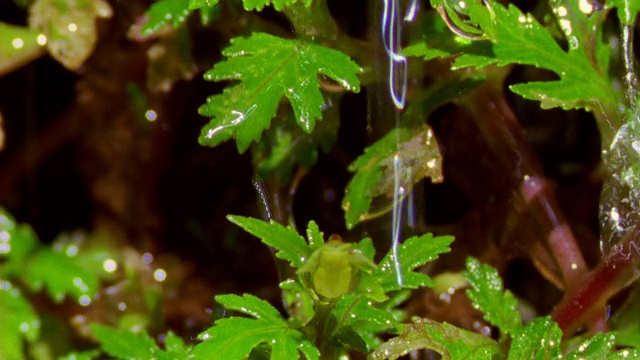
18 46
269 69
236 337
413 152
520 39
16 243
539 340
70 27
60 275
488 295
290 245
447 340
412 253
277 4
627 10
597 347
19 321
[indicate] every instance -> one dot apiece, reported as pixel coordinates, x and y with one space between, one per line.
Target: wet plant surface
134 130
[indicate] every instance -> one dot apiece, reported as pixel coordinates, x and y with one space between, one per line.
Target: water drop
72 27
160 275
122 306
110 265
84 300
573 43
41 39
71 250
24 327
147 258
150 115
17 43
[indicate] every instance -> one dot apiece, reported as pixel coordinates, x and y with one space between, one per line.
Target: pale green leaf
539 340
404 156
450 342
412 253
269 69
290 245
18 321
18 46
488 295
70 27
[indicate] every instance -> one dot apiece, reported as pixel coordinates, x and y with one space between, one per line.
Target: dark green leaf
70 27
539 340
18 321
290 245
449 341
488 295
236 337
414 252
271 68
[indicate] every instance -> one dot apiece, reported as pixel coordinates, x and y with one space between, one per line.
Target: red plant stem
591 295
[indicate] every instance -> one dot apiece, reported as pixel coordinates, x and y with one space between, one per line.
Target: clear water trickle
391 30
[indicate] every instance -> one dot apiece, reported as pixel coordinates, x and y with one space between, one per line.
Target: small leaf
269 69
70 27
16 243
413 253
19 321
450 342
314 235
487 295
627 10
236 337
403 155
279 5
290 245
18 46
539 340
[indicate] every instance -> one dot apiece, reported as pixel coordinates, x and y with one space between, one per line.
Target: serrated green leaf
199 4
290 245
539 340
488 295
314 236
18 46
70 27
60 275
414 152
164 12
277 4
597 347
19 321
625 354
236 337
450 342
413 253
127 345
270 68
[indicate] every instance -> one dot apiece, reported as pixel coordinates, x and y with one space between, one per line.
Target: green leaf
60 274
70 27
413 253
627 10
270 68
277 4
164 12
18 46
447 340
539 340
83 355
199 4
314 236
16 243
235 337
487 295
597 347
127 345
19 321
290 245
413 152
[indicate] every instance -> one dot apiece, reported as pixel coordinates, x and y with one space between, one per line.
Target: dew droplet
160 275
72 27
17 43
110 265
41 40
